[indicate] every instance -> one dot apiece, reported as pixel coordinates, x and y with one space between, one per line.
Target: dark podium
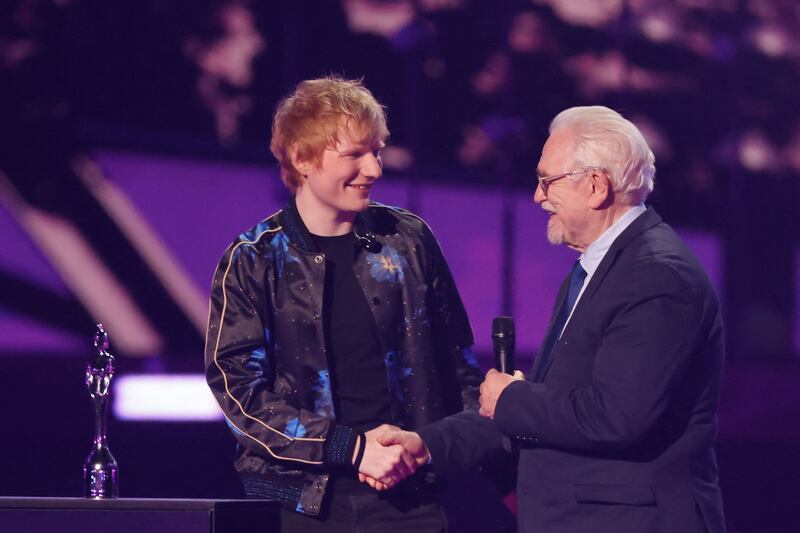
129 515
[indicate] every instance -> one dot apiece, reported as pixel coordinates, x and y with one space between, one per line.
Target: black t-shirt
358 372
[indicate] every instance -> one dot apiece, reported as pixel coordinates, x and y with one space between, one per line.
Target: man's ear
302 166
602 193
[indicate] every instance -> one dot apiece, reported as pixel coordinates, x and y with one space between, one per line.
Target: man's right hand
385 465
415 453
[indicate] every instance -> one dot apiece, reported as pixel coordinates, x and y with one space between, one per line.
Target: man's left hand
492 387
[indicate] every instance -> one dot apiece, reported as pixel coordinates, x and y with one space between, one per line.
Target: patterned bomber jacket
265 352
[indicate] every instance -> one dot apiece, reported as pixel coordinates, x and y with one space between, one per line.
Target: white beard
555 231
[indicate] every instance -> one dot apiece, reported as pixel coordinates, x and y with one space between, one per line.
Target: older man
616 420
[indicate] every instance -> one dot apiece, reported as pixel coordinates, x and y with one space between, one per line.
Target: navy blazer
618 436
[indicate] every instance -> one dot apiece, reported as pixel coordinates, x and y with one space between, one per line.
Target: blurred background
133 149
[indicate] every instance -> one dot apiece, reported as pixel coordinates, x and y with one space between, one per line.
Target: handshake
390 456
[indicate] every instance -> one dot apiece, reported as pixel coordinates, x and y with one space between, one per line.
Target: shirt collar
595 252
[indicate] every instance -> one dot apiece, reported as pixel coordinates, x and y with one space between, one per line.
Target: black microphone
503 343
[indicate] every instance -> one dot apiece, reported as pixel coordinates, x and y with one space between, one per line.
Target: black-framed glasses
545 181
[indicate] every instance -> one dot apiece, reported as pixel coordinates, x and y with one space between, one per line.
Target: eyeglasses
545 181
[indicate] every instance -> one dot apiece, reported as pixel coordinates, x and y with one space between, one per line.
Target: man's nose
372 167
538 195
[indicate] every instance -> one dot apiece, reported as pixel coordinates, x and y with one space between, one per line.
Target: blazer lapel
549 339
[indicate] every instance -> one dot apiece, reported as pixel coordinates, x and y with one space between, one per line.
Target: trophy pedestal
129 515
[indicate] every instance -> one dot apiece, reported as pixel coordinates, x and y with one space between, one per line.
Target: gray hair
606 139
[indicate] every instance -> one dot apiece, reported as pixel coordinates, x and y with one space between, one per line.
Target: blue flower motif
469 357
258 365
234 429
280 247
295 428
388 265
323 403
396 373
252 234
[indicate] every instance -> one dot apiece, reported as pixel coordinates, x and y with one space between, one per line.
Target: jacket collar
643 222
299 235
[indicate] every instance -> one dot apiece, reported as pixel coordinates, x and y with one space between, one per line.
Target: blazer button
318 259
376 301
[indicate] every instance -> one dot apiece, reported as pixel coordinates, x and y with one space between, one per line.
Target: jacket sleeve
452 330
462 442
640 367
240 368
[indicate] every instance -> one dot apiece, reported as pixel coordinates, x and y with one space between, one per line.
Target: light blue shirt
595 252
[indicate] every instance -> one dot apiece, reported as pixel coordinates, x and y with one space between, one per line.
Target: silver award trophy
100 469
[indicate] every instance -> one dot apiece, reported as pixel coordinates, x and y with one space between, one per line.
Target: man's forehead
556 153
352 134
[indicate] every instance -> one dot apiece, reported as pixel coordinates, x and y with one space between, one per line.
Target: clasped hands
392 454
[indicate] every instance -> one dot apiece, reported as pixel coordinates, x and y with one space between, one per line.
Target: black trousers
369 512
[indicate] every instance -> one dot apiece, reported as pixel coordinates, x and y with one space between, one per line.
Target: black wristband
362 445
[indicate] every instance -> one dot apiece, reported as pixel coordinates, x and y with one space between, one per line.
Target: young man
330 318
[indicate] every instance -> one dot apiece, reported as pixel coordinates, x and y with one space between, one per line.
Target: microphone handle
505 360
